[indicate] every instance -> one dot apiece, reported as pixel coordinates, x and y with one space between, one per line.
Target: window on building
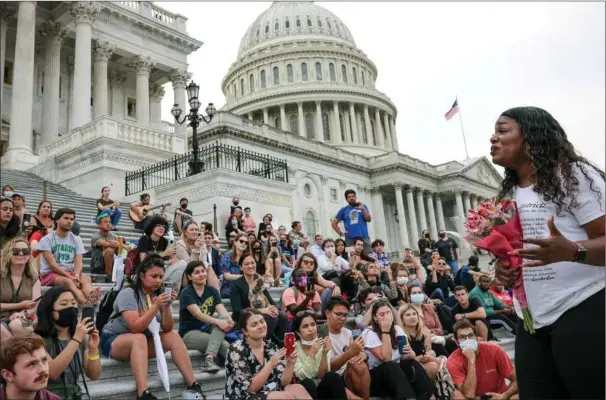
355 75
289 73
251 83
310 224
344 73
131 107
298 22
267 29
258 31
242 87
318 71
276 25
319 23
276 76
263 79
278 123
308 21
364 133
342 124
328 24
304 76
363 79
294 124
337 28
309 126
333 194
326 126
287 24
8 72
331 70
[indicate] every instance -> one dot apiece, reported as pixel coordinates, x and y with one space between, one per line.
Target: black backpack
106 308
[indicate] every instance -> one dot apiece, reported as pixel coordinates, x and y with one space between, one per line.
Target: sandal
93 298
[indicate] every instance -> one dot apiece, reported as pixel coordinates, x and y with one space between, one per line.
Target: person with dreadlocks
560 199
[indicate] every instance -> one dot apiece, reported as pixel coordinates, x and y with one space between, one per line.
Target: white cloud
493 56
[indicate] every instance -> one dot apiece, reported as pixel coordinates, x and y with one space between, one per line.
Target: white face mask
469 345
329 250
402 280
308 342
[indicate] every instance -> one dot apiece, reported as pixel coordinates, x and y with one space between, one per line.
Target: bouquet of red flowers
495 227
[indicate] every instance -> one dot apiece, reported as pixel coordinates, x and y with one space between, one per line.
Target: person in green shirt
109 207
497 312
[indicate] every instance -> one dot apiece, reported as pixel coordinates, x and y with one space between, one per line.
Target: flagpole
462 130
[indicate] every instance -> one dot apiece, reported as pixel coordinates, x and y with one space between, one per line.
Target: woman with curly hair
19 289
560 199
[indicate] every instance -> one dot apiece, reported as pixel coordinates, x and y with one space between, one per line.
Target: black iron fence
215 156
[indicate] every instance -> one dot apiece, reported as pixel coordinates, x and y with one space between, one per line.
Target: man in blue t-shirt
355 217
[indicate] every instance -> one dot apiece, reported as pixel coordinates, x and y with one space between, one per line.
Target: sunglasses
307 262
305 313
243 241
26 251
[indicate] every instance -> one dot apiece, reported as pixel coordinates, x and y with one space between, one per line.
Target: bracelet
93 358
77 341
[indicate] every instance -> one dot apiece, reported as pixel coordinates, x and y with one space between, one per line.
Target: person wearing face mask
182 215
235 203
248 221
8 191
234 223
449 250
426 245
479 368
72 344
300 297
335 268
401 275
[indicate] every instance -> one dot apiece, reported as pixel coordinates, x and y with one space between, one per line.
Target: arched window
373 132
364 133
277 123
298 22
344 73
326 126
310 224
287 24
242 87
319 23
263 79
333 74
304 72
294 124
258 31
318 71
337 27
276 25
328 24
289 73
276 76
266 28
309 126
308 21
355 75
342 124
251 83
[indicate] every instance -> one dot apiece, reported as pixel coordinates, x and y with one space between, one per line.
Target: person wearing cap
27 220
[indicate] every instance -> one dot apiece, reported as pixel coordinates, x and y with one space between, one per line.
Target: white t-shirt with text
64 250
555 288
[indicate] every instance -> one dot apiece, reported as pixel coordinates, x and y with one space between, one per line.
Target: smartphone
349 249
310 283
289 343
89 312
168 287
401 343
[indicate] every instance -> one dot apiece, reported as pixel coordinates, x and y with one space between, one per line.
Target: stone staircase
116 379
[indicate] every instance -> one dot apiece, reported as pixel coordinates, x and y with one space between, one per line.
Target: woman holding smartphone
312 367
391 359
420 340
255 369
310 265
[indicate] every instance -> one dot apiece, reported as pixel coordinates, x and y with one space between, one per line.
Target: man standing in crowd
478 368
449 250
181 215
24 365
355 216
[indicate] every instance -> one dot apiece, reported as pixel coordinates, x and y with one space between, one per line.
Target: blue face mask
296 242
8 194
417 298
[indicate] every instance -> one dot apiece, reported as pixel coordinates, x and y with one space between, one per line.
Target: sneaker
196 390
147 395
210 365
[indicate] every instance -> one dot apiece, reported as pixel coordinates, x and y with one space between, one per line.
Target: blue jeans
454 266
114 215
287 271
439 294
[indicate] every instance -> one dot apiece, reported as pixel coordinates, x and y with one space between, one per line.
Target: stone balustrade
149 10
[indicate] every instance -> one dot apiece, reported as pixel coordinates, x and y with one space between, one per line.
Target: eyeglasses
242 241
307 262
340 314
26 251
465 337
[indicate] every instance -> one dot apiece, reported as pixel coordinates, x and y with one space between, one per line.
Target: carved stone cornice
142 64
375 191
179 77
116 78
53 31
156 92
324 179
102 50
84 11
397 185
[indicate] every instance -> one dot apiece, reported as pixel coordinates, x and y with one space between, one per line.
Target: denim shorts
106 341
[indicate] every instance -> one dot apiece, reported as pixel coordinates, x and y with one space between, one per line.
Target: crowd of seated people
324 283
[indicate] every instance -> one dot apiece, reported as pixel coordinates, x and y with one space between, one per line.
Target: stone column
401 217
19 154
54 33
265 116
466 204
379 129
474 201
301 120
354 124
250 116
102 53
411 216
319 130
369 134
156 93
378 215
179 78
394 136
84 14
7 14
421 206
336 139
459 211
433 227
117 80
143 65
389 144
283 124
347 127
440 211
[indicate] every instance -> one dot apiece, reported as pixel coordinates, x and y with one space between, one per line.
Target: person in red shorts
479 368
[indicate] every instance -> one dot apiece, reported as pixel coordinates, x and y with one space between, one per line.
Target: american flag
453 110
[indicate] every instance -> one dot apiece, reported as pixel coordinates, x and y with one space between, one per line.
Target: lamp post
194 118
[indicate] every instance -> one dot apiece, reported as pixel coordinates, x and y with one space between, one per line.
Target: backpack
106 308
131 262
457 279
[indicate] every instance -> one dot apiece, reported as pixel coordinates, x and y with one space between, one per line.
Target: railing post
44 190
286 169
176 169
215 218
217 153
238 167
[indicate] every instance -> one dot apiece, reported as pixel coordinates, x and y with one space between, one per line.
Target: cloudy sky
493 56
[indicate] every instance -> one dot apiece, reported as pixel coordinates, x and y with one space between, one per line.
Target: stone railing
149 10
168 127
117 130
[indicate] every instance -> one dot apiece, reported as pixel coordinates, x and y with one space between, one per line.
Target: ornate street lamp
194 118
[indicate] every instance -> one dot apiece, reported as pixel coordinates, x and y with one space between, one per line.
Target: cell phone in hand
310 283
401 343
89 312
289 343
349 249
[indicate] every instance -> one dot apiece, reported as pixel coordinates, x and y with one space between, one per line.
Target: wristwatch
581 253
